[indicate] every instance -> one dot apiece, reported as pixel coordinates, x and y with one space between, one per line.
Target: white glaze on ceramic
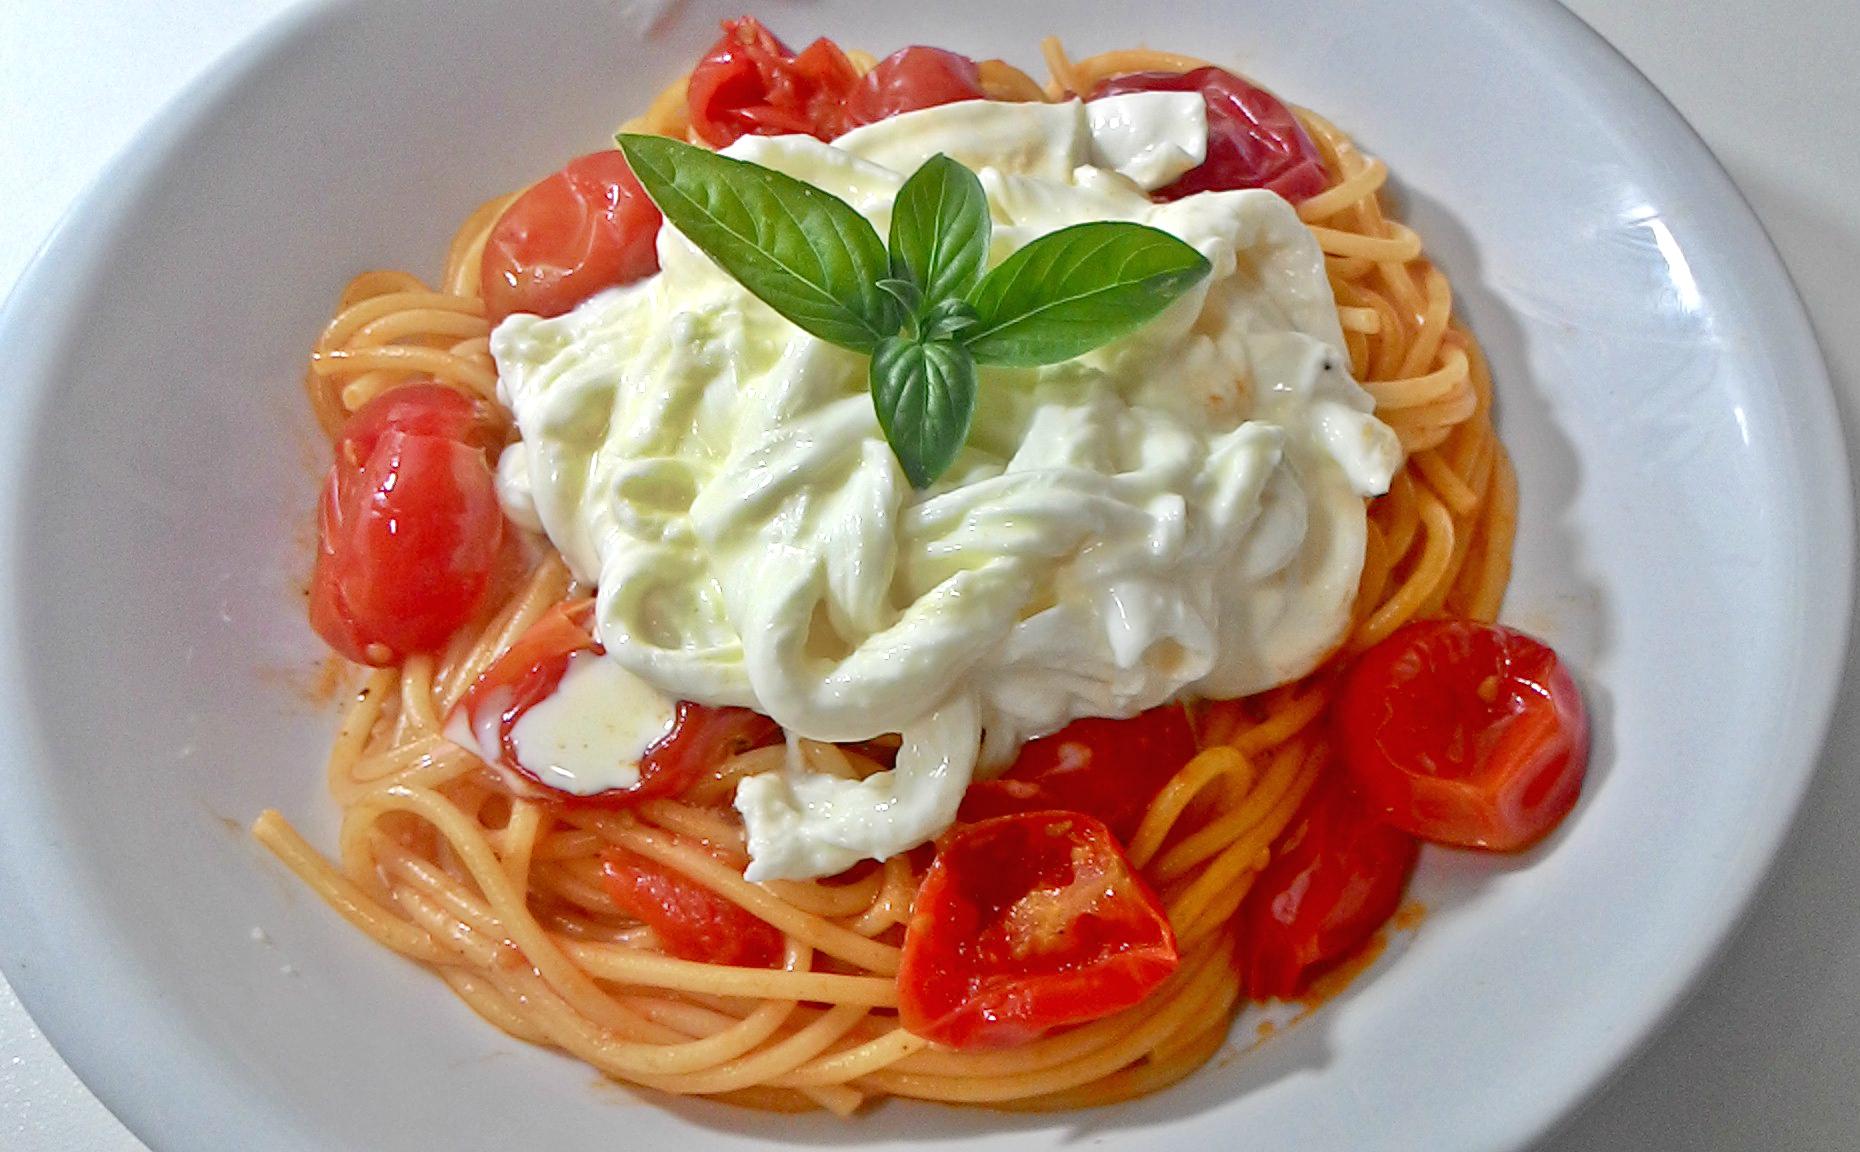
1684 499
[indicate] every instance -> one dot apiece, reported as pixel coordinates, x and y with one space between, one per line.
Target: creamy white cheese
1179 512
586 737
1151 137
513 487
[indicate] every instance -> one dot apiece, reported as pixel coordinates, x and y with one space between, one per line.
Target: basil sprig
922 306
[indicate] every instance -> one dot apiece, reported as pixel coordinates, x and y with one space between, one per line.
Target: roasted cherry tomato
1028 923
530 669
1464 733
913 78
421 410
1110 769
703 737
691 921
408 525
588 227
1336 875
750 84
1254 141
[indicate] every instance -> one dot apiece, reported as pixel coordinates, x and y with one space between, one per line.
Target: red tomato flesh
1110 769
408 525
750 84
910 79
691 921
1254 141
527 672
1028 923
1337 874
1464 733
588 227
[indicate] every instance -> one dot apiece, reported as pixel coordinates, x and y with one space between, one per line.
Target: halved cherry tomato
1028 923
408 525
1110 769
1465 733
690 920
750 84
1337 874
530 669
1254 141
588 227
913 78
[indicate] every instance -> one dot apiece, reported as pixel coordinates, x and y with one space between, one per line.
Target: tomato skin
1027 923
910 79
701 737
423 409
1465 733
329 616
690 920
1336 875
405 547
587 227
521 677
1254 141
1108 769
750 84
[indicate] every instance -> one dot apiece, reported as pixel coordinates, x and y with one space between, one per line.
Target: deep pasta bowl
1685 542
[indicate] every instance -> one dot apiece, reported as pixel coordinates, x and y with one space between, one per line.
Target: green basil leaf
947 321
939 229
801 251
1076 289
925 394
906 292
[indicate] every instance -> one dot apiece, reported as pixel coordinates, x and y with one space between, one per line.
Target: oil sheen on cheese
586 737
1179 512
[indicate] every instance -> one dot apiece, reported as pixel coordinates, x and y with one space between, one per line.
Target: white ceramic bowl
1685 542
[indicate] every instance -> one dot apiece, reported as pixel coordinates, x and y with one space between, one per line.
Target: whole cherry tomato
910 79
1464 733
422 409
588 227
1336 875
408 525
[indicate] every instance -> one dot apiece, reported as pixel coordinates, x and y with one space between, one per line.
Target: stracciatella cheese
1179 512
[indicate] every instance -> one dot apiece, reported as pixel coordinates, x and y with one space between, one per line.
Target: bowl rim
113 1072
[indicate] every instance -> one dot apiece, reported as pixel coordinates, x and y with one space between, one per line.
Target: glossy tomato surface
1254 141
751 84
408 525
691 921
1336 875
910 79
422 409
587 227
1027 923
1465 733
1110 769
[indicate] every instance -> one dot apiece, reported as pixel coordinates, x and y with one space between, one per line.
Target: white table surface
1767 1054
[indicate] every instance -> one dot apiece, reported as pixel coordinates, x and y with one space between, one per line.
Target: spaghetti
502 896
